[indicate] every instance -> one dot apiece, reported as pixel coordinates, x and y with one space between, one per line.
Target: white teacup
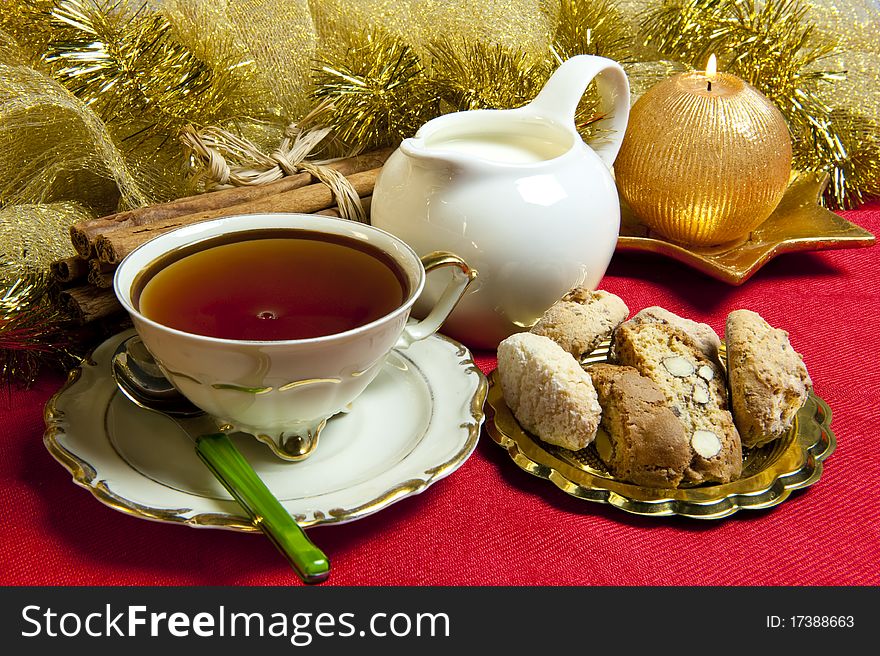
284 391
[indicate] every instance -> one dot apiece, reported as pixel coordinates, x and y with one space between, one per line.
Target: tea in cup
274 323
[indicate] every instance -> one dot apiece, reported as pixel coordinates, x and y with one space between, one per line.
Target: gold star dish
799 223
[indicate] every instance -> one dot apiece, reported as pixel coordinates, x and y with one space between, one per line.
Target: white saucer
416 423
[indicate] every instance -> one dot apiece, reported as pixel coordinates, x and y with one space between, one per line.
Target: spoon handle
239 478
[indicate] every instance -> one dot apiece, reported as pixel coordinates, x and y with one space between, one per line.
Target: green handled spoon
140 380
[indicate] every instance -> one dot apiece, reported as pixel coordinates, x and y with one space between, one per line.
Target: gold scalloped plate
770 473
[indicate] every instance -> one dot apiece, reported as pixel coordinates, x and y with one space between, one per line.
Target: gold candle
705 159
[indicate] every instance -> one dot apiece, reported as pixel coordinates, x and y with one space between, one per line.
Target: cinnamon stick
69 269
87 303
101 274
112 246
84 234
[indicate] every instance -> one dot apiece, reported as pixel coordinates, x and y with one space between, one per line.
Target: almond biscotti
548 392
769 382
702 334
646 443
581 319
695 388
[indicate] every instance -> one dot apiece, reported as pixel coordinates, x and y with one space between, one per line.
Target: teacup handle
462 276
563 91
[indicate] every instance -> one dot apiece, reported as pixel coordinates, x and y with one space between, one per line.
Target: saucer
416 423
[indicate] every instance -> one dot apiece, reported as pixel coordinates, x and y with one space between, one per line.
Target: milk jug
517 194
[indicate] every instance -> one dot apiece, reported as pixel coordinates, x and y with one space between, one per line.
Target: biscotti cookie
695 387
547 390
647 444
769 382
581 319
704 337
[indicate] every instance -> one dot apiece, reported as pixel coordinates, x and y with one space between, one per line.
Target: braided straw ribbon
213 146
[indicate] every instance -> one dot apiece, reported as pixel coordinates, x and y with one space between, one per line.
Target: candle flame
711 67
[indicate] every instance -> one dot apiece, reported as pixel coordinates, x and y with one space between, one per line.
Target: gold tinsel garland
377 94
471 75
93 93
127 66
592 28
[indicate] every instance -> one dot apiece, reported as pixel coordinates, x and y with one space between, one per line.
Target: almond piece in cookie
704 337
695 388
581 319
548 392
769 382
648 444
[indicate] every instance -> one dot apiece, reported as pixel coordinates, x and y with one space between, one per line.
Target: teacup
281 390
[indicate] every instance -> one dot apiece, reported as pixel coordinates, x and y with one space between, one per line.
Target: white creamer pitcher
517 194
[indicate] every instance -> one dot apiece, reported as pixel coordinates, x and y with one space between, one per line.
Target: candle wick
709 85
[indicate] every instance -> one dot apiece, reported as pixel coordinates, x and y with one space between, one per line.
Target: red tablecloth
491 523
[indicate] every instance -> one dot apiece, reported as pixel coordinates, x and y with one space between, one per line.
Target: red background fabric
490 523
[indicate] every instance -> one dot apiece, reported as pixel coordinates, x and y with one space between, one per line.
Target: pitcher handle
563 91
462 277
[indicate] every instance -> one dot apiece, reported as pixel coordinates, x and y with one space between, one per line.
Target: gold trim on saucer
85 474
799 223
770 473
